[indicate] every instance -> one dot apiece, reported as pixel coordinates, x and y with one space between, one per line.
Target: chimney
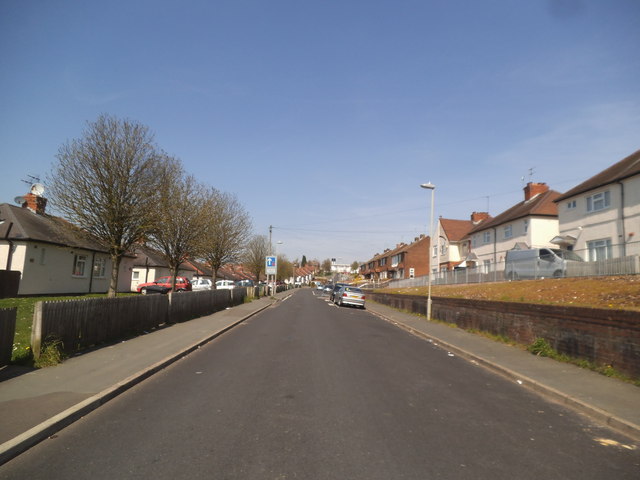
533 189
477 217
35 203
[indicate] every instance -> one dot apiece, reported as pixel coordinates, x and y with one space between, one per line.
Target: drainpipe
624 233
93 259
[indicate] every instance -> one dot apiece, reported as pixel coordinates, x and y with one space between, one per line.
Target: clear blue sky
325 116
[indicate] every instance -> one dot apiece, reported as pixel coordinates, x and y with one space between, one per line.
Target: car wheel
557 274
143 291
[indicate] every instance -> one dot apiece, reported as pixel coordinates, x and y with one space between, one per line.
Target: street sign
271 265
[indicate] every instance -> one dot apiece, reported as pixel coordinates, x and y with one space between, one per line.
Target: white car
225 284
201 284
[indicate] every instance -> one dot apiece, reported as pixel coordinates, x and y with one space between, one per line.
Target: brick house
600 218
404 261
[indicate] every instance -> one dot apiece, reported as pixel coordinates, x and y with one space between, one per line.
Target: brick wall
605 337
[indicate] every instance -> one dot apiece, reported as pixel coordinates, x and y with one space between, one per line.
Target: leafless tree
326 266
255 255
180 217
227 229
106 183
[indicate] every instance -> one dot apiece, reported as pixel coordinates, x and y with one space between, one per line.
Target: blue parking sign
272 265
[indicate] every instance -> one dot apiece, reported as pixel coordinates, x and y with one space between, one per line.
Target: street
311 391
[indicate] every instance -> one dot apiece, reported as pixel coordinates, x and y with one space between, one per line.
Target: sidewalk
606 400
41 402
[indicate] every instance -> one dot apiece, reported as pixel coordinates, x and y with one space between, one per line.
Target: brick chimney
477 217
35 203
533 189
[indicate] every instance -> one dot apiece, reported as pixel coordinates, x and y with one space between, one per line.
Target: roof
625 168
22 224
541 205
455 230
149 257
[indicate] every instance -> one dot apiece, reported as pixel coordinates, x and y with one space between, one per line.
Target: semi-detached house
403 261
600 218
531 223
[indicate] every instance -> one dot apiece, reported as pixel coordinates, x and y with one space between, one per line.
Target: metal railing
495 272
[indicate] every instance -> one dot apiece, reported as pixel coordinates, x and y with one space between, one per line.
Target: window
486 237
599 249
135 276
99 267
598 201
508 231
79 265
43 254
474 241
571 205
435 250
382 262
526 226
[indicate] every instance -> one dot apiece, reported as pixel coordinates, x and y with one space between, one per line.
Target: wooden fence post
36 330
7 333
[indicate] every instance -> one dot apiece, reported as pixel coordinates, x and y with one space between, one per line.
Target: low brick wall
605 337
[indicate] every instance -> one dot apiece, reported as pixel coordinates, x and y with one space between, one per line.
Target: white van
538 263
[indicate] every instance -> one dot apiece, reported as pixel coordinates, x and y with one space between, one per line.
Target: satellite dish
37 189
19 200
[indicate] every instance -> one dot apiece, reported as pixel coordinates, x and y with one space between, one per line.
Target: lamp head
428 186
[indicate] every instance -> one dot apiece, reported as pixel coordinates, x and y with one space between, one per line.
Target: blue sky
323 117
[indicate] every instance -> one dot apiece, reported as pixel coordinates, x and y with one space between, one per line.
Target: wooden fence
80 324
7 332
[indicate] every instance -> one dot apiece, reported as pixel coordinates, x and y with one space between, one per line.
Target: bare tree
256 252
106 183
180 217
227 229
326 266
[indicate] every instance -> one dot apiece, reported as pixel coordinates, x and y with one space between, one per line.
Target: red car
163 285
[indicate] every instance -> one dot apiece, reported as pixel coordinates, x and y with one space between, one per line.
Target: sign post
271 268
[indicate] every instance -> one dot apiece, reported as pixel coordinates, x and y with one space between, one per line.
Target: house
404 261
600 218
532 222
53 256
452 242
148 265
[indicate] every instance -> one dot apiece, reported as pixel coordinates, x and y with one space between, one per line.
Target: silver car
348 295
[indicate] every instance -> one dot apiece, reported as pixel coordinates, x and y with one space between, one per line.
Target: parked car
328 288
201 284
182 285
244 283
336 287
225 284
348 295
538 263
149 289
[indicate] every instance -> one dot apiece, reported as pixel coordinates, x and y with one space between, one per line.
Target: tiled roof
541 205
625 168
455 230
27 225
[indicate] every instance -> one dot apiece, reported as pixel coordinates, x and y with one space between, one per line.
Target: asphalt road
310 391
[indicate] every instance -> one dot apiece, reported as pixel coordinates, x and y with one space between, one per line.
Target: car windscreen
352 290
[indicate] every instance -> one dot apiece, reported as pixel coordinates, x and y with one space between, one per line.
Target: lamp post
432 187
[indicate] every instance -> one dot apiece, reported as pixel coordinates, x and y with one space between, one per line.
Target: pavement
35 404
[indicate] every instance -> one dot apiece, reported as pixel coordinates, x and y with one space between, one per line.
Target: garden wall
605 337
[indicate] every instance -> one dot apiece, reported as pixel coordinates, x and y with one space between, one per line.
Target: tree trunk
115 268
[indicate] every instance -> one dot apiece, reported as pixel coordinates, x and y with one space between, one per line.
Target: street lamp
432 187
